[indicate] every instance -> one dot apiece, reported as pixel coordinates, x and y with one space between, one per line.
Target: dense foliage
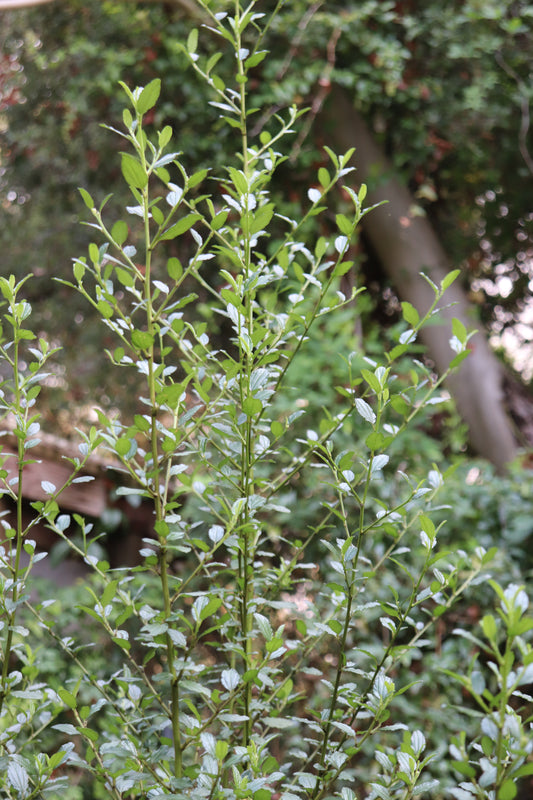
257 652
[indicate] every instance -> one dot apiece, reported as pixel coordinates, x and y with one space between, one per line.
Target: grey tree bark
407 245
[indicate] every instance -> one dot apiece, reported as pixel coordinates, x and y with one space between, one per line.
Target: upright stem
18 548
155 478
247 477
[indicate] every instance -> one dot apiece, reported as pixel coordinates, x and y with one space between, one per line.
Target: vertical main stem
18 547
159 500
247 478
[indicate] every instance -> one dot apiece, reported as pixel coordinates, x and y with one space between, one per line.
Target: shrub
241 660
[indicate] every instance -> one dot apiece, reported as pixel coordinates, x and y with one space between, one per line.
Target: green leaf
174 268
212 62
346 461
104 309
123 446
79 270
133 172
321 247
342 268
459 358
162 528
58 757
410 314
283 257
252 406
126 614
87 199
277 428
220 220
163 175
261 218
119 232
255 59
192 41
197 178
94 253
239 180
449 279
487 745
68 698
458 330
180 227
109 593
149 96
283 692
427 525
397 351
508 790
221 751
6 287
489 627
209 609
372 380
374 441
323 177
491 553
400 405
142 339
298 271
124 644
464 768
526 769
158 215
336 626
333 156
344 225
91 734
274 644
218 83
164 136
125 277
231 298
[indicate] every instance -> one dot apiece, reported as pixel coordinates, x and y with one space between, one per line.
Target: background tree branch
406 246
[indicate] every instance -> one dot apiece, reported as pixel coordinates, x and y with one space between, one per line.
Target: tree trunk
407 245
